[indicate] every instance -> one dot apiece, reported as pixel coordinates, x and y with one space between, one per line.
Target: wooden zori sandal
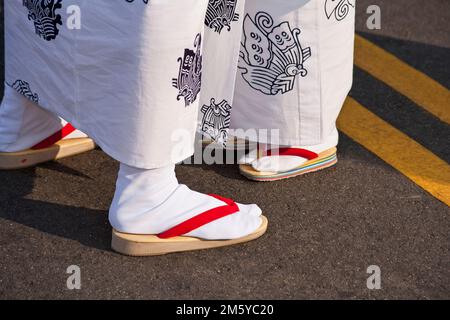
315 162
52 148
173 240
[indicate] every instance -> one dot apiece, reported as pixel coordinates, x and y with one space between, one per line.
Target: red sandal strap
297 152
202 218
54 138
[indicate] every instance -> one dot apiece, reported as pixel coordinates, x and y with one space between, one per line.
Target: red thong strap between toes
54 138
297 152
202 218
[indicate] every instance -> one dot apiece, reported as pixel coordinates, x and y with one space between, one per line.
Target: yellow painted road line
397 149
420 88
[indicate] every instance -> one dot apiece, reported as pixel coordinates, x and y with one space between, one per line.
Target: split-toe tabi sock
276 163
152 201
23 124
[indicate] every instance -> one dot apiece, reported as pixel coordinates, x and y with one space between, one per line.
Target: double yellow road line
393 146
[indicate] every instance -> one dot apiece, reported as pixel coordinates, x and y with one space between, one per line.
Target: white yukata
295 71
130 78
141 74
140 77
295 68
223 29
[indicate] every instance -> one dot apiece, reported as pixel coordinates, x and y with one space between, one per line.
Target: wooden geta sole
152 245
30 157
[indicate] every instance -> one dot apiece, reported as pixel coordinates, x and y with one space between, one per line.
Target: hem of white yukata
283 141
143 164
117 155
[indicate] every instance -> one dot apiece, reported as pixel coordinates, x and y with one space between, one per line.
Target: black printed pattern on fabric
216 121
189 79
338 8
23 88
46 19
271 57
221 14
145 1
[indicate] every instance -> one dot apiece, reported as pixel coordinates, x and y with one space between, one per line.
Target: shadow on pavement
87 226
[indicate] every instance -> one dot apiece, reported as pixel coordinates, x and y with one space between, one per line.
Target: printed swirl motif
338 8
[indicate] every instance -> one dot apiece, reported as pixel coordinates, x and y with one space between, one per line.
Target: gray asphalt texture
325 228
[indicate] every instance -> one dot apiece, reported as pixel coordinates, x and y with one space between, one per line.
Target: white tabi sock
276 163
152 201
23 123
